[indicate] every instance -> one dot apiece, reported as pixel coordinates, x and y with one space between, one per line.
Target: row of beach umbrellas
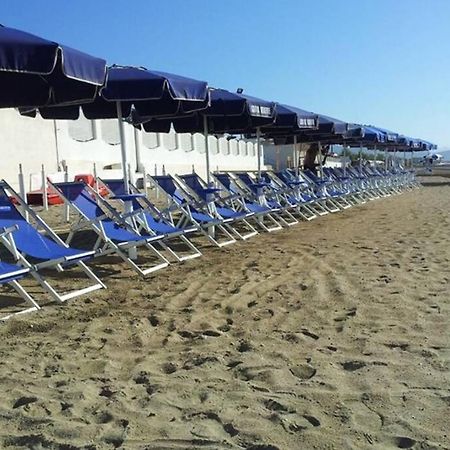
58 81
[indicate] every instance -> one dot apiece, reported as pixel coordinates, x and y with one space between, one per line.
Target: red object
90 181
36 197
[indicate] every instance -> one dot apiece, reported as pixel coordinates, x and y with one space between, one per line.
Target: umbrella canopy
149 93
227 113
329 130
365 135
289 121
38 72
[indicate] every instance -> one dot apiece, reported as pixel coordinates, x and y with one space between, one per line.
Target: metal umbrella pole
320 159
258 149
344 154
128 206
205 134
297 165
360 155
123 150
295 155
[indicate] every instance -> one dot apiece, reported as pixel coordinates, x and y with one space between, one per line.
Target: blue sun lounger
148 218
334 199
262 192
183 211
235 193
302 190
287 195
209 199
10 274
114 235
36 251
346 184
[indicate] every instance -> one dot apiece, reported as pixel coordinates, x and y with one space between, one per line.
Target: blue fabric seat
10 272
28 239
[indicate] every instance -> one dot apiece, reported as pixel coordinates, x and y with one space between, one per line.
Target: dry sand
332 334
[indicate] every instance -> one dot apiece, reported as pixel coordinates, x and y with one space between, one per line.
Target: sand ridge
331 334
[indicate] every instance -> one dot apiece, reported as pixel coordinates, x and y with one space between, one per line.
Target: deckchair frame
58 263
301 207
104 245
140 216
239 195
14 283
186 216
211 208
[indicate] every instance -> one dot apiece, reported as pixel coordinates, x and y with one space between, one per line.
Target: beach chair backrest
116 186
226 181
27 238
76 193
193 181
247 180
168 185
311 175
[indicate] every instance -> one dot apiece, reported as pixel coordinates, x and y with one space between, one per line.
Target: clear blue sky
384 62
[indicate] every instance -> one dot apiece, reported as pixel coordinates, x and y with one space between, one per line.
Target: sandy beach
333 334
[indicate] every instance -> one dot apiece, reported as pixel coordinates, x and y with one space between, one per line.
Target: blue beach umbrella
38 72
228 112
147 93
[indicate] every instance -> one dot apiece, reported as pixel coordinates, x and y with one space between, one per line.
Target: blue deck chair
300 205
372 182
10 274
318 189
148 218
327 189
207 199
344 184
264 214
364 185
302 190
264 193
114 235
182 211
36 251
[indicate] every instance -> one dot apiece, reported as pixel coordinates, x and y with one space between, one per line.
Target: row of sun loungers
237 206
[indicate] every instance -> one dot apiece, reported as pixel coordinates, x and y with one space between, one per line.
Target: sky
381 62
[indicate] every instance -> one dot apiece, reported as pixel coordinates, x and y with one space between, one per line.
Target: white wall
79 144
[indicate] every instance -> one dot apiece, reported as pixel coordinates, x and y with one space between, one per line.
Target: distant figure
310 158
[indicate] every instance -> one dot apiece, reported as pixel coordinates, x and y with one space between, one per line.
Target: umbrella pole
344 153
123 148
320 159
132 252
297 165
258 148
360 155
295 149
205 134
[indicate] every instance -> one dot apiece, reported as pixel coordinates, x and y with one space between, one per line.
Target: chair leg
251 230
72 294
26 296
195 251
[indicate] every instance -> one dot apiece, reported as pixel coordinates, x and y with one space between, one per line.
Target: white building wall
79 144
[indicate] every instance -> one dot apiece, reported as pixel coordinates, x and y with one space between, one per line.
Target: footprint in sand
296 423
309 334
403 442
352 366
303 371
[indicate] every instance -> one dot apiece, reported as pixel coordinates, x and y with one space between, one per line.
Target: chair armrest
8 230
